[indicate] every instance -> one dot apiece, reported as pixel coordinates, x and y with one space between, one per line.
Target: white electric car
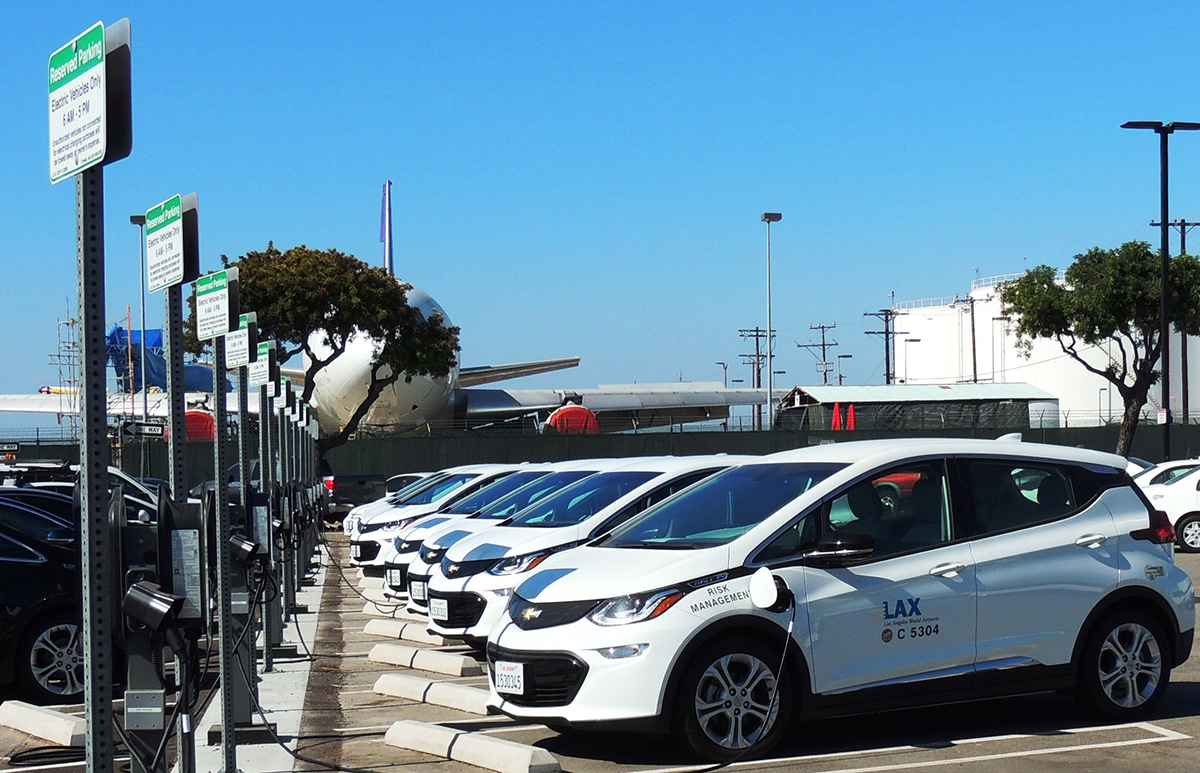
470 590
388 501
913 572
1179 498
426 553
374 531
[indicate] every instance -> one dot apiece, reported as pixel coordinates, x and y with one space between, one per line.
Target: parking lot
345 719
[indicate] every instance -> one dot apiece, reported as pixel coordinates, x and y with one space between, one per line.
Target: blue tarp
196 378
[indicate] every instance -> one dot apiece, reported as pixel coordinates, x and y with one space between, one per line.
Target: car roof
665 464
882 451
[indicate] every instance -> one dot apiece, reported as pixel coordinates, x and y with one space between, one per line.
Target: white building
966 340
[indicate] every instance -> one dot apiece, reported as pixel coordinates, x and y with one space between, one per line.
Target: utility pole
970 301
824 366
889 334
1183 226
755 361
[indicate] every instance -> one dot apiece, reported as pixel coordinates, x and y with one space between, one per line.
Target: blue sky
586 179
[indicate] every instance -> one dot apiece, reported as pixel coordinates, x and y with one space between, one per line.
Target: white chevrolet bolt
387 502
374 531
470 590
418 552
910 572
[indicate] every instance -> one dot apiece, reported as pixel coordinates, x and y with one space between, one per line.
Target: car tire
710 723
1188 531
49 665
1126 666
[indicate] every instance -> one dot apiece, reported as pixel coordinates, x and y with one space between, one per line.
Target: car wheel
1188 530
724 704
1126 666
50 663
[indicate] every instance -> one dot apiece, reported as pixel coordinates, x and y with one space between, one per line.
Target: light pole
908 341
724 374
768 218
1164 130
1100 405
841 357
140 222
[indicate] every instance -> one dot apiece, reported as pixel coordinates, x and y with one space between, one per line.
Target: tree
304 291
1109 296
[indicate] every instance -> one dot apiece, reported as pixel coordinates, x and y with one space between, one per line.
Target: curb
453 696
399 629
47 724
473 749
425 660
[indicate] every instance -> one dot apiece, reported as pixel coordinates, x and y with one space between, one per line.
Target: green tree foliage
1109 297
304 291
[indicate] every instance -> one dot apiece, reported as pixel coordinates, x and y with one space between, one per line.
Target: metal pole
1164 325
224 565
95 546
770 375
177 413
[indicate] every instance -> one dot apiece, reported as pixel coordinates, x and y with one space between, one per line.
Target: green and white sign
213 304
78 102
164 244
259 372
237 342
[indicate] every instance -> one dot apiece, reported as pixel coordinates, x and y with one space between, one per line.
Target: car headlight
432 556
518 564
635 608
407 545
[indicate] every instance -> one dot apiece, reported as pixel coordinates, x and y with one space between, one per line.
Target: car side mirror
838 548
60 537
769 592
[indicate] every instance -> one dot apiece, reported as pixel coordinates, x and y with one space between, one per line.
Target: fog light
626 651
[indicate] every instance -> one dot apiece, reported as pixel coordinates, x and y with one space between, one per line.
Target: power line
824 365
889 334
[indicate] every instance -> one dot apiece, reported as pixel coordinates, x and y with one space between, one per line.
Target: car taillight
331 484
1161 531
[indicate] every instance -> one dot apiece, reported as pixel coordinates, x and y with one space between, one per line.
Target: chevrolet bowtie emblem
530 613
452 569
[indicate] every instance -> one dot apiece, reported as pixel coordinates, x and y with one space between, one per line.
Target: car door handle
1091 540
947 570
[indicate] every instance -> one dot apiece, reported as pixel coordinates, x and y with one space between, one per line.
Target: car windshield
439 489
398 497
581 501
490 493
720 509
530 493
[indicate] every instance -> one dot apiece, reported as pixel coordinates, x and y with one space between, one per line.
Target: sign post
90 125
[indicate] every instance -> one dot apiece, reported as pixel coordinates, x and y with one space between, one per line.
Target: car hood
598 573
505 541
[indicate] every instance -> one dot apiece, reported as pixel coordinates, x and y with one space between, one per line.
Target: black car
41 641
60 506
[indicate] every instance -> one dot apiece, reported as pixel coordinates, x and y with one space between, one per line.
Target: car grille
367 551
551 678
414 599
396 576
463 610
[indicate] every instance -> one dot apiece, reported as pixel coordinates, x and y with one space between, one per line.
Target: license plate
510 677
439 609
355 551
416 591
394 579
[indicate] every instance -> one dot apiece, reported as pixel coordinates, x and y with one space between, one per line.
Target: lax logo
901 608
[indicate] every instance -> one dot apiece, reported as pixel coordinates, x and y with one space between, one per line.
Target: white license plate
355 551
394 578
439 609
416 590
510 677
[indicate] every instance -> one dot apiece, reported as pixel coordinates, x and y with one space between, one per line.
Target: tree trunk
1129 422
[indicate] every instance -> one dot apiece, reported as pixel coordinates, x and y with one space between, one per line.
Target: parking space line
1160 734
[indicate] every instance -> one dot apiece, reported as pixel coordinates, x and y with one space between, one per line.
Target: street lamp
841 357
768 218
908 341
1164 130
724 373
1100 405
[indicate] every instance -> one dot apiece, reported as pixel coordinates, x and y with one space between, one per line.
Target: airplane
453 400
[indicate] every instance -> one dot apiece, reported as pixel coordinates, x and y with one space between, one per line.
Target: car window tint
792 540
26 522
530 493
902 509
1010 494
581 501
